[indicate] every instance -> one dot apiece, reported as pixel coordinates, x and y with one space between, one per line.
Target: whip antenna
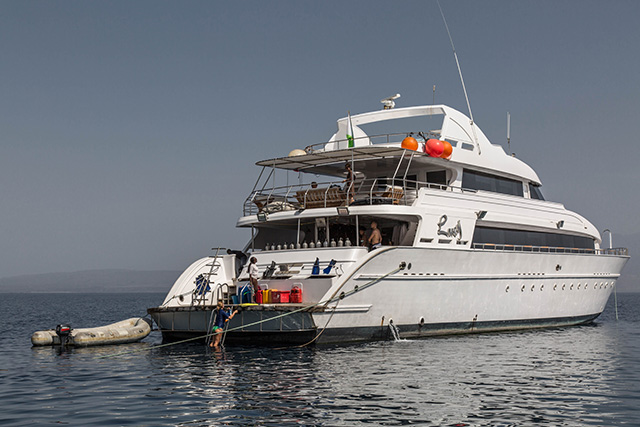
464 89
509 131
455 55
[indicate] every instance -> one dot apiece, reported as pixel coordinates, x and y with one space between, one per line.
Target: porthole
571 287
563 285
522 289
555 286
541 287
578 286
507 289
533 287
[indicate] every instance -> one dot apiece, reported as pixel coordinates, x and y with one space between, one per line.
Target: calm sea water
578 376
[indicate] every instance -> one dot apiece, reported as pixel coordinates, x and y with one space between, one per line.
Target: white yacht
468 243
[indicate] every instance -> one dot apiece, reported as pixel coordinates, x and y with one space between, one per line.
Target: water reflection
550 377
573 376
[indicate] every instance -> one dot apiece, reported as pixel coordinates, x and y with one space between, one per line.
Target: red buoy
448 149
434 147
410 143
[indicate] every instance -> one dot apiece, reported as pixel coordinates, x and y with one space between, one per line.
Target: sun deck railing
336 194
549 249
386 138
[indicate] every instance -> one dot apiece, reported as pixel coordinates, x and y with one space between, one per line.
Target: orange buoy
448 149
410 143
434 147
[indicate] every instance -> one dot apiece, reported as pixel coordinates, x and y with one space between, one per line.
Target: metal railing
549 249
384 138
374 191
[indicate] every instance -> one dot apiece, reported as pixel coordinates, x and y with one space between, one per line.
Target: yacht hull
440 291
469 291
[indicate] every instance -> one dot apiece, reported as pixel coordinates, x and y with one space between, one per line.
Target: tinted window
534 191
500 236
437 177
483 181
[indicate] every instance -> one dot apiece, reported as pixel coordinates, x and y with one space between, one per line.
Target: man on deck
375 239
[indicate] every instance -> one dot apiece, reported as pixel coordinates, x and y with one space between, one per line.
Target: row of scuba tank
280 247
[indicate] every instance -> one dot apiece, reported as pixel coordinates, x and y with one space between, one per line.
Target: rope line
334 298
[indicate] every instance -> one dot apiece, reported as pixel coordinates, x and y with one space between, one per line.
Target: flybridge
455 125
471 148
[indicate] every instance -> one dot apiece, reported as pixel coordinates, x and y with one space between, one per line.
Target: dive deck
264 323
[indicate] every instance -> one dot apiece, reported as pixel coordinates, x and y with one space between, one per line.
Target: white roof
472 148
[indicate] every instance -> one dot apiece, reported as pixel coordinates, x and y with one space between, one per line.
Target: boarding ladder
200 291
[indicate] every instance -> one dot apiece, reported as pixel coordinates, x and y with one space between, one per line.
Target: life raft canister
296 295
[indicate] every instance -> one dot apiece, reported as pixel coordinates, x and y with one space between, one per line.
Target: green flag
350 132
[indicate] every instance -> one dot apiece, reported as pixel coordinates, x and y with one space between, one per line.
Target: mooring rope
333 298
323 329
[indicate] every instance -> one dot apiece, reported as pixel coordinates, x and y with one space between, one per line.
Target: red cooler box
284 296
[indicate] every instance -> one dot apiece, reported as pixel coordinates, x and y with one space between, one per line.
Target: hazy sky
129 130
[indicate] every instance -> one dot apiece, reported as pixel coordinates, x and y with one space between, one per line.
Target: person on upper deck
375 239
349 186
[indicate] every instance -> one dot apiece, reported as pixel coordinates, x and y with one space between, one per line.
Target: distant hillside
92 281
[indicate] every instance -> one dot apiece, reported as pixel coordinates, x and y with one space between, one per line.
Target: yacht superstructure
468 242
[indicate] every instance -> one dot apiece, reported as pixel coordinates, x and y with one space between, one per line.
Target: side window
534 192
500 236
437 177
483 181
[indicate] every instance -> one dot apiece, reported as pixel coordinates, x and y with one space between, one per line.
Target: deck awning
332 162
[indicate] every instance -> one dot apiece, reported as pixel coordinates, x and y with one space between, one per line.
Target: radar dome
297 152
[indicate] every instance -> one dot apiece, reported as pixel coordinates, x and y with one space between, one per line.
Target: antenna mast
455 55
464 89
509 131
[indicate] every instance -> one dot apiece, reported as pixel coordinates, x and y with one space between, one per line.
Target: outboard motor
63 332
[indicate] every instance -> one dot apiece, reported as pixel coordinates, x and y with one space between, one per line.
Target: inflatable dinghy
126 331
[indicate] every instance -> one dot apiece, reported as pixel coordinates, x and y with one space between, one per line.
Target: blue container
234 299
245 294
